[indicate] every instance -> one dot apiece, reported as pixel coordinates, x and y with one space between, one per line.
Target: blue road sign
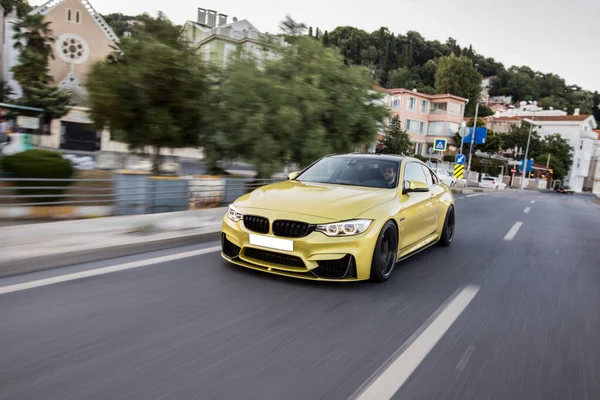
439 144
529 165
480 136
460 159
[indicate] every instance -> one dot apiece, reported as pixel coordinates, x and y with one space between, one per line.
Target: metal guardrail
170 193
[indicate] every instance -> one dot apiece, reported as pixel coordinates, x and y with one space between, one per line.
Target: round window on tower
72 49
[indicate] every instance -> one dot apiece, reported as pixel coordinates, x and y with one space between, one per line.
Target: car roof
370 156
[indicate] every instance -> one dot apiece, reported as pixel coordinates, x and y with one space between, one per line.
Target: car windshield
353 171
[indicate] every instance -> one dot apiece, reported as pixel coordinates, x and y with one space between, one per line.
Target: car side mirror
414 187
292 175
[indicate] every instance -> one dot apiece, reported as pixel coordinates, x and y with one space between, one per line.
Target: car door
417 208
436 191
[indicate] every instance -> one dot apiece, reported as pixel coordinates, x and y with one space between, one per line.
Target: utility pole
526 153
472 141
548 162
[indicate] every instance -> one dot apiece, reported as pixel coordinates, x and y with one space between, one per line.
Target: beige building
82 38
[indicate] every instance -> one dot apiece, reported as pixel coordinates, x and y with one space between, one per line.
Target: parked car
564 189
445 177
489 182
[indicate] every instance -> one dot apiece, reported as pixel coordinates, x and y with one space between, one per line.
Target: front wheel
448 231
385 253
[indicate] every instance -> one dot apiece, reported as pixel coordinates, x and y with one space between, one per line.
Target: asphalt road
195 328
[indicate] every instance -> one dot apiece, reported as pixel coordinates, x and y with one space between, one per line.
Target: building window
69 14
419 148
581 145
72 49
438 107
413 126
436 128
412 104
424 107
77 16
454 109
395 103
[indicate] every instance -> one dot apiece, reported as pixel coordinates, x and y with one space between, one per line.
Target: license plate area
271 243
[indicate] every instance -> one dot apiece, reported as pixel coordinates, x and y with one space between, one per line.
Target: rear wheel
386 251
448 231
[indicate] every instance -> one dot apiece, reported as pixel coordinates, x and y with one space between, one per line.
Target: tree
457 76
559 171
119 23
33 39
298 107
152 95
160 28
493 143
54 101
291 27
310 32
33 34
326 39
22 7
396 141
561 153
516 142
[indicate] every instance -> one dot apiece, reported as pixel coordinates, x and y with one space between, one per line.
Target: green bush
39 164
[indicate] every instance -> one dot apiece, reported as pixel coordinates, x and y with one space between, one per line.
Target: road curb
43 263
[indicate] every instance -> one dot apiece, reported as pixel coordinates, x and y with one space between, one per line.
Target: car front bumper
314 257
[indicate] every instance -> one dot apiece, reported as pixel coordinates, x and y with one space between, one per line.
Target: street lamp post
524 170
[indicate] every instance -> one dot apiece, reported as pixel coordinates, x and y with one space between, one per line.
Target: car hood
334 202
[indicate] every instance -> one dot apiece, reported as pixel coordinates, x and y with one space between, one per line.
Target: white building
579 131
217 40
593 181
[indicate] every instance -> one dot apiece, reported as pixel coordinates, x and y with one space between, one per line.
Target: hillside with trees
412 62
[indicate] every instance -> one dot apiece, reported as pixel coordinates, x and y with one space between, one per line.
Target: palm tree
35 35
22 7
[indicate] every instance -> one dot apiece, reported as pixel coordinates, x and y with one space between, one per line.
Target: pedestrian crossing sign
439 144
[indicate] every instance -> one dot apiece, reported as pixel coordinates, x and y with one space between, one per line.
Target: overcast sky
560 37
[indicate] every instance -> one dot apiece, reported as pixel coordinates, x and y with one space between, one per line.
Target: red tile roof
559 118
598 132
506 119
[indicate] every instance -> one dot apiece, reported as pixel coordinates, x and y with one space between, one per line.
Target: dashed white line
416 348
475 195
532 201
465 358
513 231
105 270
526 210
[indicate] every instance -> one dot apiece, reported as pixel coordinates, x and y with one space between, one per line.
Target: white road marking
465 358
526 210
416 348
475 195
513 231
532 201
105 270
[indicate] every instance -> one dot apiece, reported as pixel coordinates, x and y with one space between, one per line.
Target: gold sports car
343 218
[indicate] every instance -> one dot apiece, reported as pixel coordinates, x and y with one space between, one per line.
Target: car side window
414 172
432 179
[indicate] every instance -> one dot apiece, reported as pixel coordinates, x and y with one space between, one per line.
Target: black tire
449 227
385 253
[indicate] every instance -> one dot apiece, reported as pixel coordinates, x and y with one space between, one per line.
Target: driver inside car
389 176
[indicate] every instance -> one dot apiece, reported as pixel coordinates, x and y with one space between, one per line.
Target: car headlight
345 228
233 214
